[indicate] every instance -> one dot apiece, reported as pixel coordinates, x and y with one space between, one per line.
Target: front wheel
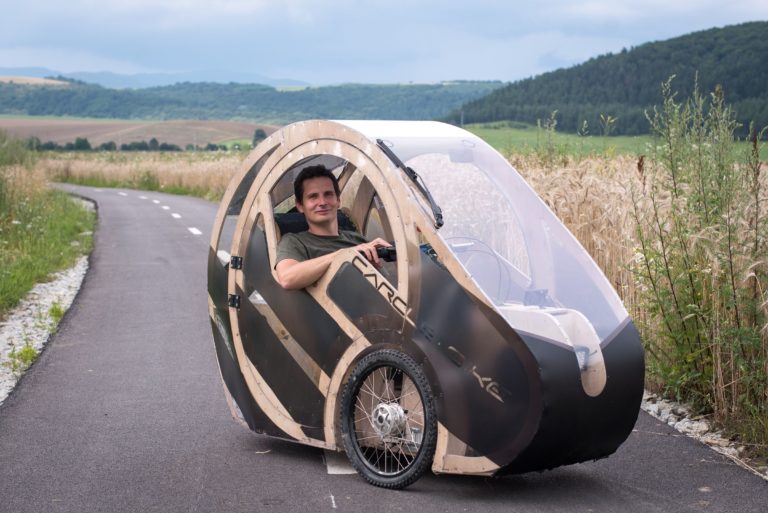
388 422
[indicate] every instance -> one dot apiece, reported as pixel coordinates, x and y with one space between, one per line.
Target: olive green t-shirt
303 246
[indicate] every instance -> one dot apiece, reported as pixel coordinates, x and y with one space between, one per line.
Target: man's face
319 202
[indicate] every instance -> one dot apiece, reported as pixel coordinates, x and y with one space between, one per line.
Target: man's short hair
313 172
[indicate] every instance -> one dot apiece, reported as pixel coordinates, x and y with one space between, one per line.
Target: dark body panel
490 383
368 310
575 427
300 396
230 371
309 324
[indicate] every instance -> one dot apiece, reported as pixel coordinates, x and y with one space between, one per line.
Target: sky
341 41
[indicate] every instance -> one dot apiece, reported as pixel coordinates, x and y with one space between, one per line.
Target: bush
702 228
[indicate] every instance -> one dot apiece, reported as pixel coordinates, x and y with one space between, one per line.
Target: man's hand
368 249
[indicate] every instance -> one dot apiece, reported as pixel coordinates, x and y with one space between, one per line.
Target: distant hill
624 85
241 101
142 80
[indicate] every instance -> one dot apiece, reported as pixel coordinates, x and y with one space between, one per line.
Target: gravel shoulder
32 323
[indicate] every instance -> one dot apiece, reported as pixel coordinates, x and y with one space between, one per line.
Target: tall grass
702 236
203 174
41 231
589 195
682 233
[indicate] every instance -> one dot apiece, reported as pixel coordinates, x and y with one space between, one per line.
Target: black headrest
294 222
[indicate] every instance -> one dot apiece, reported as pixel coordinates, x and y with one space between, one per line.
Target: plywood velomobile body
529 355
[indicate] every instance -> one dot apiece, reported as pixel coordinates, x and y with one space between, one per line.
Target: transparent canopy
520 255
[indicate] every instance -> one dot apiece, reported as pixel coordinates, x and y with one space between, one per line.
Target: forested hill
242 101
624 85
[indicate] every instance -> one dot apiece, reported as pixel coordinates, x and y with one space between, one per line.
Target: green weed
56 312
21 359
702 227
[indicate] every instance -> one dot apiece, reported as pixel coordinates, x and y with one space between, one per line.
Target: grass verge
41 230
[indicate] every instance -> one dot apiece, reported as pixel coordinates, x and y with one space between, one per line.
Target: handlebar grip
387 254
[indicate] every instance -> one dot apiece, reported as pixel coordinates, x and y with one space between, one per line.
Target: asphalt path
124 411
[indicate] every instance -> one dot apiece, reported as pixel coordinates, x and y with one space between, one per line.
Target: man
302 258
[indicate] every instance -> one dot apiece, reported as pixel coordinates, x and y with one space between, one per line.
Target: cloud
347 40
634 11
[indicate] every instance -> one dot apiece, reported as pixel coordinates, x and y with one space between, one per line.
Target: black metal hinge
234 301
236 262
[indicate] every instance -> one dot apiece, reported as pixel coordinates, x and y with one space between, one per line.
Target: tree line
626 85
82 144
242 101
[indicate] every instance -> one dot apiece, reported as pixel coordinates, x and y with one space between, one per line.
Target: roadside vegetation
680 227
202 174
41 230
701 216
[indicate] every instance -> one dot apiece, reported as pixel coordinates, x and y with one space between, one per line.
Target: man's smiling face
319 202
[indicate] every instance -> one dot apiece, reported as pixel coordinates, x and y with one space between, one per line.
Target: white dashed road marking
195 231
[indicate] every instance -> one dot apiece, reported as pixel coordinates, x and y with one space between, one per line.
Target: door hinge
234 301
236 262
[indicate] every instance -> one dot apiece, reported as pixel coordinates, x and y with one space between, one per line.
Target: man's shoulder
292 246
352 236
290 238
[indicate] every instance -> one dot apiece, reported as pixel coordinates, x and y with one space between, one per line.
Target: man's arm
292 274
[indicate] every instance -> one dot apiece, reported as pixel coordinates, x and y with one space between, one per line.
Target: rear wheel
388 419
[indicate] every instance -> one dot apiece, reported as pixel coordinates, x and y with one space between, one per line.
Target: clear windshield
508 240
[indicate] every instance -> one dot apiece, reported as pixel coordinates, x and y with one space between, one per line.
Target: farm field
31 81
509 139
62 130
553 145
506 139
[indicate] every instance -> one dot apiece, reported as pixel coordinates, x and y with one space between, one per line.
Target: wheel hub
388 419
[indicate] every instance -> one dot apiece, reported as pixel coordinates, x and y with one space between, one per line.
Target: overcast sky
336 41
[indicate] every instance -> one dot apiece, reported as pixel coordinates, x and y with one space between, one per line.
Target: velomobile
490 343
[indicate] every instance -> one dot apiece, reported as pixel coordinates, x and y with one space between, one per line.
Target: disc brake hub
388 419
